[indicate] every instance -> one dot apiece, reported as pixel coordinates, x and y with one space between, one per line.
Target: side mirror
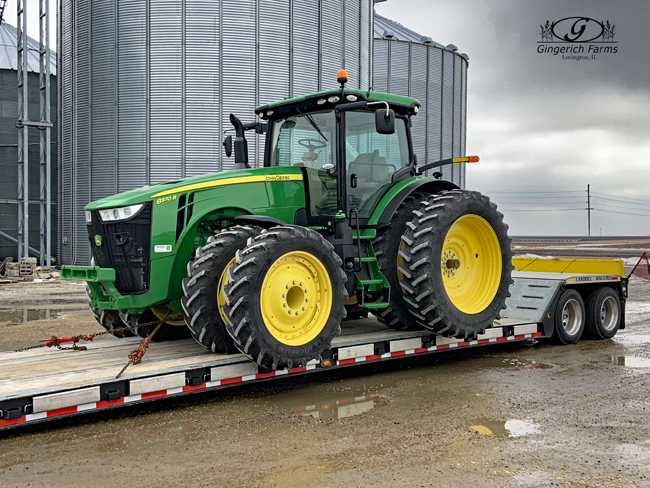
227 146
385 121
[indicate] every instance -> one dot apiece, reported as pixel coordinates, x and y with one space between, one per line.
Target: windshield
304 140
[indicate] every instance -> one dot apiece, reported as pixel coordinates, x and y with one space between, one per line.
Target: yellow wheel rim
296 298
223 279
400 275
470 264
161 311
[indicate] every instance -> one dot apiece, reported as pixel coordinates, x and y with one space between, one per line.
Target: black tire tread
199 303
396 316
242 283
430 306
109 319
591 314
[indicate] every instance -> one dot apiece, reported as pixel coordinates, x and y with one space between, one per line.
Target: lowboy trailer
551 298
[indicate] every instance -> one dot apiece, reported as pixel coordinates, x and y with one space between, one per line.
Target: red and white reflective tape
441 347
146 396
242 379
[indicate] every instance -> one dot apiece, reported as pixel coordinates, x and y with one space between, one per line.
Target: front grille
124 247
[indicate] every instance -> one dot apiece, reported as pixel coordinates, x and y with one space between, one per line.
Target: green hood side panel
275 192
146 193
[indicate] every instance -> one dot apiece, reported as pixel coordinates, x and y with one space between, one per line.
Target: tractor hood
194 183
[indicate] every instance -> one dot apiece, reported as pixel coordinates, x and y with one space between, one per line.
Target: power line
618 206
625 198
622 213
646 205
538 209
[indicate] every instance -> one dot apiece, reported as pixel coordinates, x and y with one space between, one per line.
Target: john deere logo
98 241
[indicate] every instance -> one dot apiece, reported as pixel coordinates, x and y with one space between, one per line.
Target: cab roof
308 103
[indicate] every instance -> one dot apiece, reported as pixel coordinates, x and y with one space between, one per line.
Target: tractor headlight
89 216
119 213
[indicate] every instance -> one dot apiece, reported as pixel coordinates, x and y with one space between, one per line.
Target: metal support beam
23 132
45 136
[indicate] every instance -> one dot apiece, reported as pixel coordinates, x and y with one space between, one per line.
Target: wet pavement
513 415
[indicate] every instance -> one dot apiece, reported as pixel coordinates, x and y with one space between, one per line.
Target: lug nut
284 304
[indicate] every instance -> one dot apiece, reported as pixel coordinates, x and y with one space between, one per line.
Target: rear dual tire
456 264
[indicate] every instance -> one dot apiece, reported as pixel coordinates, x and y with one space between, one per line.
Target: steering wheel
312 144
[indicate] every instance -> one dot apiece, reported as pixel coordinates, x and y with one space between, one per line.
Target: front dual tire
285 297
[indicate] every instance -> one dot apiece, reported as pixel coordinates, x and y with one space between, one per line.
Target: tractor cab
351 145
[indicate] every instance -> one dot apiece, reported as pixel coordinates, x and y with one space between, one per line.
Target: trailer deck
45 384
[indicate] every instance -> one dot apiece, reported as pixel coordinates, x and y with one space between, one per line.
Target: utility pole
589 209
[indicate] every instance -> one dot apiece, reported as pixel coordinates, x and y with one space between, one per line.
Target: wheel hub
470 264
296 298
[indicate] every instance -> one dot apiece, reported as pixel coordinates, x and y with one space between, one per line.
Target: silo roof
398 31
8 51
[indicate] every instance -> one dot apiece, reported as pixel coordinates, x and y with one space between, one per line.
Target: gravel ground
514 415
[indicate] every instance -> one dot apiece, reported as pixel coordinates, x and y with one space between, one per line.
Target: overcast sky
541 123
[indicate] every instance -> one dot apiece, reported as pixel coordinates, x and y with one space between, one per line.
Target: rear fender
400 191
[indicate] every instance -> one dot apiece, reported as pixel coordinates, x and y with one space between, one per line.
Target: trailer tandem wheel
603 313
569 318
285 297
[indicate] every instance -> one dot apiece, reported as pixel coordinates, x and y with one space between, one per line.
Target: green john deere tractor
266 260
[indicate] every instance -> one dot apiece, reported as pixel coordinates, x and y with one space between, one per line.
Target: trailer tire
272 313
167 332
203 288
569 318
603 311
387 245
457 263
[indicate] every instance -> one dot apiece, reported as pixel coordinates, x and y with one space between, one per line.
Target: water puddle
341 408
631 361
635 338
497 362
13 316
508 428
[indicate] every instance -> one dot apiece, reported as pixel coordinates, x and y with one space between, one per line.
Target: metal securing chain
135 356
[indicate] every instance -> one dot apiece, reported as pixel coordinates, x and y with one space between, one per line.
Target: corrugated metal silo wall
438 79
9 162
147 87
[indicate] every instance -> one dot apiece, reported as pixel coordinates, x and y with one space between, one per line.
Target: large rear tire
203 288
457 264
387 246
285 297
